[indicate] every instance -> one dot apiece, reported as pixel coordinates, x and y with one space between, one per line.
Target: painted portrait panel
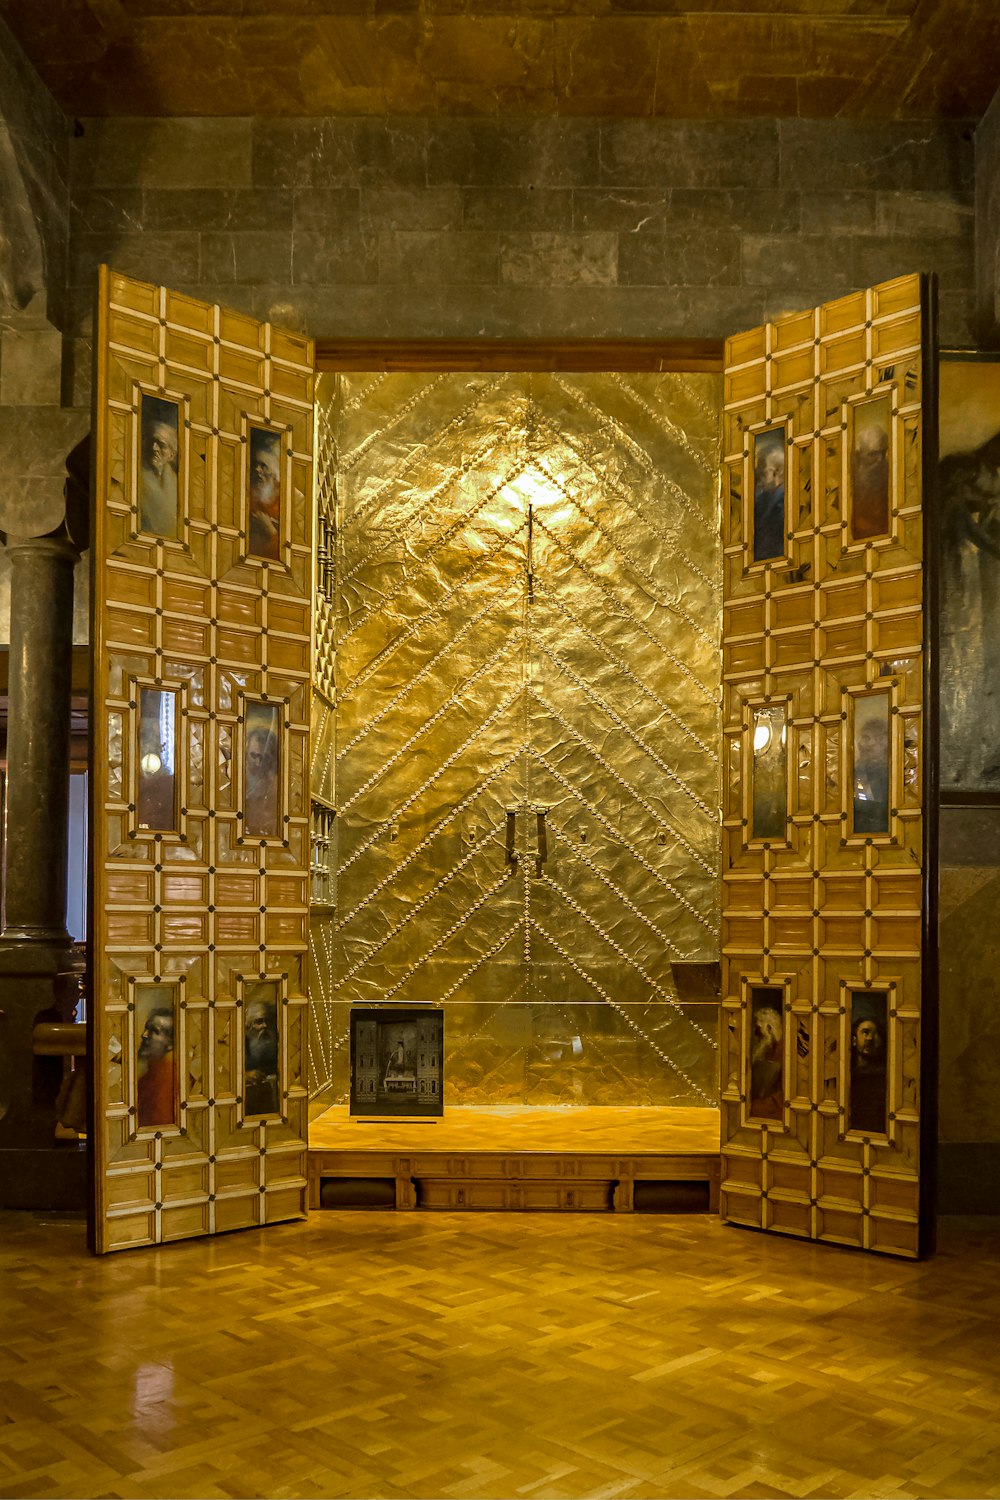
768 463
264 494
766 1062
870 763
156 798
397 1061
262 764
769 772
869 455
261 1050
156 1054
970 577
159 441
867 1106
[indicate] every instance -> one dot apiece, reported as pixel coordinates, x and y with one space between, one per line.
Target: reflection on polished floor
497 1355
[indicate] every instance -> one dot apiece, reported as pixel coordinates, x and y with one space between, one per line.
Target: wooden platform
519 1158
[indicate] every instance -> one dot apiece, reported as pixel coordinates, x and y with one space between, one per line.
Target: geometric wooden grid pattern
196 906
629 1356
527 725
819 910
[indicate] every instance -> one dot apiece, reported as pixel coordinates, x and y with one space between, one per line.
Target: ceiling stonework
682 59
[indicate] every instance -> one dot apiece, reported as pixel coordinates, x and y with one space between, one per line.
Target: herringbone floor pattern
436 1355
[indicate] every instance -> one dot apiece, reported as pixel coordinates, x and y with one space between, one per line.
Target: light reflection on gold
527 768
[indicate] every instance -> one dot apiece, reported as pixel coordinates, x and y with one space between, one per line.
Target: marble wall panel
690 154
895 155
988 224
945 213
969 1049
525 228
775 261
559 259
412 258
163 154
513 209
695 257
256 255
343 254
969 1031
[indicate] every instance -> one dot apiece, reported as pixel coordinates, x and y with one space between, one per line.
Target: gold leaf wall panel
202 602
526 621
822 861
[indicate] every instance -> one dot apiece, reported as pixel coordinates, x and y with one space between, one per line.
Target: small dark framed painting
159 451
869 470
397 1061
766 1054
871 763
261 1050
867 1097
768 463
262 765
264 494
156 1059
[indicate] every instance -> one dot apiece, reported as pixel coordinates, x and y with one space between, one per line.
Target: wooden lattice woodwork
202 602
823 657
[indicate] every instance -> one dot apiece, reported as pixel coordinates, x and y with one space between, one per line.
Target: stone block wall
535 228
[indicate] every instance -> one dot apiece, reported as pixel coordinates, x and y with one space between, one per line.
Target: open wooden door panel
828 773
202 589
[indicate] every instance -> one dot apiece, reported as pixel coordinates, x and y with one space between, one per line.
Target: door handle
542 841
541 836
511 848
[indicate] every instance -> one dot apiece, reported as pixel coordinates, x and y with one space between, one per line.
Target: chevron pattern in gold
473 1357
527 674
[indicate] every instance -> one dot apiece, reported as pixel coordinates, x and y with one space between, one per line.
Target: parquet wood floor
512 1127
461 1356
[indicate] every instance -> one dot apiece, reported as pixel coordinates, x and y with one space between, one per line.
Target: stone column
34 943
38 738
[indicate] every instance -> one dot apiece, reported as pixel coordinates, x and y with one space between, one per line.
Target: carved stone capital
37 444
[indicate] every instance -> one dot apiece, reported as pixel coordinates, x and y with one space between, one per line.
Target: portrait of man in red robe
155 1091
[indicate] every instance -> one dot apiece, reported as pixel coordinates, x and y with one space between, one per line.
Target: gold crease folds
526 613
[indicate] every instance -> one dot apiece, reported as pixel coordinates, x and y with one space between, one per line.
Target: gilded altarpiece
524 748
202 589
823 774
